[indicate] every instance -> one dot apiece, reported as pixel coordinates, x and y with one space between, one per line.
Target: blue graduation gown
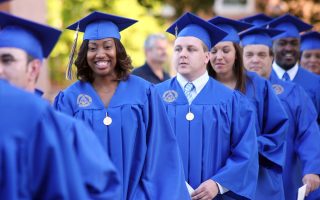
98 172
302 152
139 141
220 142
271 126
311 83
37 162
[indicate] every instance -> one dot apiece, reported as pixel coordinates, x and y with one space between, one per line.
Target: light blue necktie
188 90
286 77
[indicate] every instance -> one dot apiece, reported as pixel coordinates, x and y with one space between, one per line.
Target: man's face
257 58
189 57
286 52
14 66
158 53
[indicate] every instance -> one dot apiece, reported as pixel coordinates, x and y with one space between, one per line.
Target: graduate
23 46
259 19
286 56
124 111
271 124
302 152
310 51
214 125
37 161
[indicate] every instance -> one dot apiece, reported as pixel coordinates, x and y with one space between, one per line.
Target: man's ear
207 57
33 69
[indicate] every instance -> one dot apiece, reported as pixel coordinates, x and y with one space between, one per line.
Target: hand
206 191
312 181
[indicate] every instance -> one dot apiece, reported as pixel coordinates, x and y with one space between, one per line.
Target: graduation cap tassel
176 31
71 56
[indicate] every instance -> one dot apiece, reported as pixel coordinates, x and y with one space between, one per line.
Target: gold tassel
69 75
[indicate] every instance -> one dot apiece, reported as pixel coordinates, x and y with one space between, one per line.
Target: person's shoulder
257 79
136 81
139 70
311 76
21 109
19 98
283 89
76 88
218 93
165 85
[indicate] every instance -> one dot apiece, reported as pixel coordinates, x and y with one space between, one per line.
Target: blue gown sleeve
54 170
271 140
163 176
306 147
60 103
100 176
37 161
240 172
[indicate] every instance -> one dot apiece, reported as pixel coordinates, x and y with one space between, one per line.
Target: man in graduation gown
302 163
214 125
37 161
286 56
23 46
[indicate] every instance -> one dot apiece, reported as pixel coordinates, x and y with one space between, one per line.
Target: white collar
291 72
199 83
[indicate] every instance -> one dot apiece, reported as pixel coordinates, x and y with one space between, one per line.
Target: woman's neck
105 83
228 79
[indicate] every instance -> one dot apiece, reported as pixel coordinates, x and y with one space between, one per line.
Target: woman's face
101 56
222 57
310 60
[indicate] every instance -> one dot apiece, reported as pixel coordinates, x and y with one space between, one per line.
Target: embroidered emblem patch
84 100
278 89
170 96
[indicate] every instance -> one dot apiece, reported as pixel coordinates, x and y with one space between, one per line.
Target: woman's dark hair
238 70
122 69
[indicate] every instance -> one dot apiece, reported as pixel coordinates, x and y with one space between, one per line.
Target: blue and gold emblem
170 96
84 100
278 89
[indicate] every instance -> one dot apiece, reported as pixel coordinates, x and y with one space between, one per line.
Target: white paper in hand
302 192
190 189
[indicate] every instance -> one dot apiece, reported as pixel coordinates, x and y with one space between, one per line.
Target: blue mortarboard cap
192 25
98 25
36 39
232 27
1 1
257 20
310 41
291 26
257 35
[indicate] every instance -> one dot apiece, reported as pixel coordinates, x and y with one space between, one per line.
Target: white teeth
288 54
102 63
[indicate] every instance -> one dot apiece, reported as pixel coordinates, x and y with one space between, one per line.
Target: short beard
287 67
